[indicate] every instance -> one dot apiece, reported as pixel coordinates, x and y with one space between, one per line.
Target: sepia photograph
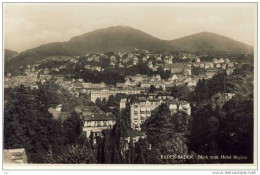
129 85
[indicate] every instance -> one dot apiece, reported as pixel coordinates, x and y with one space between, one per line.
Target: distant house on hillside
215 61
178 68
208 65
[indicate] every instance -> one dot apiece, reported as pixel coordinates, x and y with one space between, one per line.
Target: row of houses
210 65
29 80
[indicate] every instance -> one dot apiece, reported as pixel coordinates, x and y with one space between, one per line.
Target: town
109 87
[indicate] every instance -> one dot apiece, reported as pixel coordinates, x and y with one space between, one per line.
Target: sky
28 25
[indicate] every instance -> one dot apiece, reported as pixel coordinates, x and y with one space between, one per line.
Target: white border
150 167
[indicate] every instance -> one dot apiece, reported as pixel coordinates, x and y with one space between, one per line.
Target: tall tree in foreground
76 154
29 125
163 132
73 127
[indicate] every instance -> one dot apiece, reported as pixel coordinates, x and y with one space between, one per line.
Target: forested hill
126 39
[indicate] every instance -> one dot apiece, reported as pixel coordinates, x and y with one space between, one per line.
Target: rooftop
99 117
176 66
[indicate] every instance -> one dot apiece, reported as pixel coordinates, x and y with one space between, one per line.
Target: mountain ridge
126 39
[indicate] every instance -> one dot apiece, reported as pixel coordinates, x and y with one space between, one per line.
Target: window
105 123
98 123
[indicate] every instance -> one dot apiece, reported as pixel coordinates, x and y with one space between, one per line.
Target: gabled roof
177 66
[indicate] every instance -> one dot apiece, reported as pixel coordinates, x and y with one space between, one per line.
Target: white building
105 93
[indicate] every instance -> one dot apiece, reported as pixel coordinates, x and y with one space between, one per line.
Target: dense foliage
29 125
223 125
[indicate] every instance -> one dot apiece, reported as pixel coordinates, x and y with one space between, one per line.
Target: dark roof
99 117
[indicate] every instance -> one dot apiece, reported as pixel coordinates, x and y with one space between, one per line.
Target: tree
152 89
73 127
111 100
29 125
167 74
163 133
132 153
159 126
197 71
98 102
200 129
174 146
117 135
200 92
182 122
236 128
139 154
76 154
181 92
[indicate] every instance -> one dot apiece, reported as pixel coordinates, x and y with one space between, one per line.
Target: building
178 68
192 83
105 93
135 61
229 71
215 61
94 85
173 78
120 102
157 84
202 65
150 64
95 120
197 59
15 156
139 78
208 65
140 110
218 65
227 60
158 77
224 66
176 105
121 85
211 72
221 60
196 64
